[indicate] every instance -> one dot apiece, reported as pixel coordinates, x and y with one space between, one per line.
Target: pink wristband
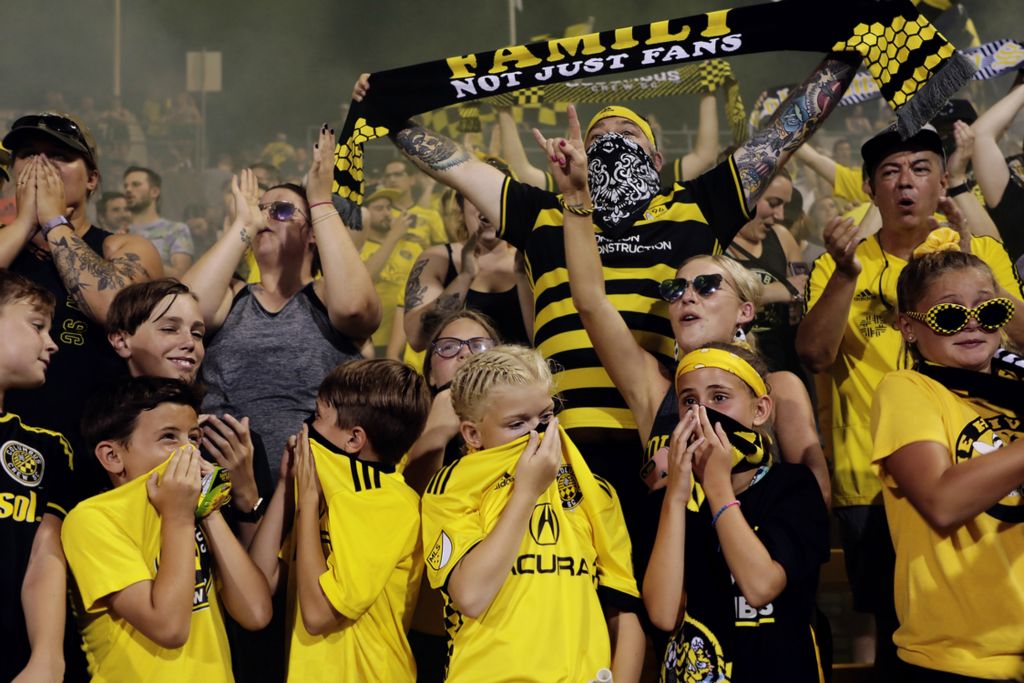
732 503
316 204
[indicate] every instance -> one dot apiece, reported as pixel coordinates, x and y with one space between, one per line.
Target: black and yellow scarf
928 69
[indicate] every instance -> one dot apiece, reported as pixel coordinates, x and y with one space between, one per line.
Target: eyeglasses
948 319
705 285
281 211
449 347
52 122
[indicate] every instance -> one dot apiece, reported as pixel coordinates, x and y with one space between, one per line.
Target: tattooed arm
427 300
446 161
93 280
792 124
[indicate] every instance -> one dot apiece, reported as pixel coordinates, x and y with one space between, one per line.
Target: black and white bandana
622 180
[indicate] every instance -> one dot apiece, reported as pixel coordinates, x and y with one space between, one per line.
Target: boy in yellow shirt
150 571
357 556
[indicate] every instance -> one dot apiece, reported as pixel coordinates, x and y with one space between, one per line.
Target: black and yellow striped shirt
700 217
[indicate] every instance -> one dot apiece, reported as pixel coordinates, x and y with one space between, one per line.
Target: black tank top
501 307
776 337
84 360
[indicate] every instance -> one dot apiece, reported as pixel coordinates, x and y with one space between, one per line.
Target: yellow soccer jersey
429 227
849 184
390 285
371 536
959 594
546 623
113 541
870 348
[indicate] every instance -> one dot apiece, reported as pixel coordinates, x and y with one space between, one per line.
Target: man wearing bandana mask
644 233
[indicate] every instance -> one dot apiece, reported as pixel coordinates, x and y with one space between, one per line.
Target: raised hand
471 255
175 494
361 87
25 193
307 483
246 192
539 463
229 441
566 156
712 458
961 156
686 439
50 201
841 239
956 220
320 179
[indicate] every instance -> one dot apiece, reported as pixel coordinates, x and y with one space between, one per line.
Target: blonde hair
502 366
748 286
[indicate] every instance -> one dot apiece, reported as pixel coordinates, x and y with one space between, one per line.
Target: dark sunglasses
705 285
52 122
281 211
947 319
449 347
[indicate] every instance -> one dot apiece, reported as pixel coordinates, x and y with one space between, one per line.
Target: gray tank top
268 366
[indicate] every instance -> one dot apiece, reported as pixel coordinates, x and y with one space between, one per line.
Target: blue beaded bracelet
731 503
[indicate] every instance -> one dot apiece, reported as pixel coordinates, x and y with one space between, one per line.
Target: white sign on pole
203 71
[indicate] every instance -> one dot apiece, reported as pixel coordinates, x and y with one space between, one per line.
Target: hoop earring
740 337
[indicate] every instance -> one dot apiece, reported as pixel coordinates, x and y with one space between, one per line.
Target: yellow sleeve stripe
64 443
504 207
741 198
439 481
58 508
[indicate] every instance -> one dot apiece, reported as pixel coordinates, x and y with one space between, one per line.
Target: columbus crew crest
23 463
985 435
568 487
695 656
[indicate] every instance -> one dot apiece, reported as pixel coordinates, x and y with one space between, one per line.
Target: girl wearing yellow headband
735 580
947 445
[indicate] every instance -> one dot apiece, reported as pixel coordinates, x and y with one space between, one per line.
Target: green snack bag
216 491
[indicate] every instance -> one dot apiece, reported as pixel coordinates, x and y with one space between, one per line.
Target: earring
911 339
740 337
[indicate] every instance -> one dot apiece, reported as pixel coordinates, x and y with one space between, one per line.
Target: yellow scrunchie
943 239
723 360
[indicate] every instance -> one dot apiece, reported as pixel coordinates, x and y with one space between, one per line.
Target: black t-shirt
722 632
37 464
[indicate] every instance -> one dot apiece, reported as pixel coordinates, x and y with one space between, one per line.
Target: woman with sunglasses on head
947 447
273 341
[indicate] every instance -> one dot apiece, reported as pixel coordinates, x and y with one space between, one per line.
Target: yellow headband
625 113
723 360
941 239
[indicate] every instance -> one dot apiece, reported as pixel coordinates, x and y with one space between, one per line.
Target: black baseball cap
64 128
889 141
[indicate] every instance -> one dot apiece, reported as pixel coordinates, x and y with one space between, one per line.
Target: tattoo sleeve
431 151
414 291
806 107
82 269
